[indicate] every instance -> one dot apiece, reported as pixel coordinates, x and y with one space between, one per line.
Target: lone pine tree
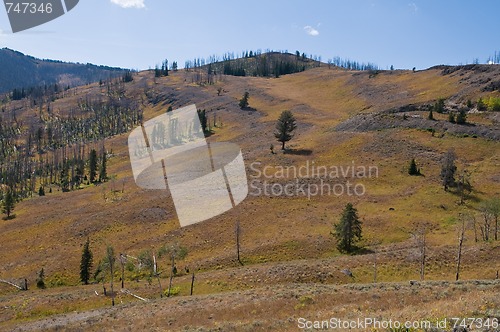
413 169
348 230
86 263
285 127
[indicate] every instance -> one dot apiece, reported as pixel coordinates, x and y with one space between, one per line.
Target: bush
173 291
493 104
244 100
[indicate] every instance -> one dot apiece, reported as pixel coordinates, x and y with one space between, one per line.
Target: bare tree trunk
422 262
419 236
171 276
159 284
192 283
460 243
112 292
155 272
496 228
122 257
238 231
475 230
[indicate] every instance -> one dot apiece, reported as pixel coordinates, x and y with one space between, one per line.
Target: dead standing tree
172 251
420 238
147 259
461 235
109 263
238 235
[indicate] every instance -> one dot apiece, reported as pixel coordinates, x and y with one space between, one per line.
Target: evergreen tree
86 263
93 165
8 203
127 76
157 71
244 100
64 176
439 106
103 175
348 230
40 281
448 169
165 68
481 106
413 169
431 115
79 171
462 117
285 127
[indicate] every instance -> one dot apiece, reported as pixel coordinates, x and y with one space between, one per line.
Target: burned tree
172 252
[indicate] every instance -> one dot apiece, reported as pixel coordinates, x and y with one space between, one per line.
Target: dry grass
50 231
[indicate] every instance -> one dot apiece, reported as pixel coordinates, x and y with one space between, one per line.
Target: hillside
23 71
291 267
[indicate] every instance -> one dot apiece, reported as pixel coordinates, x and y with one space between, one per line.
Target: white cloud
311 31
129 3
413 6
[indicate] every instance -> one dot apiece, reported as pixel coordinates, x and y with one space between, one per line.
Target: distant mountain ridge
18 70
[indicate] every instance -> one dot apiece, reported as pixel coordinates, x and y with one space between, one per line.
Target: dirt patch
389 120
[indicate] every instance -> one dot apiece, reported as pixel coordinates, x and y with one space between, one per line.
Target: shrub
244 100
493 104
173 291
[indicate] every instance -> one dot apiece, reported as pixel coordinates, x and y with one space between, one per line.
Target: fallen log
126 291
12 284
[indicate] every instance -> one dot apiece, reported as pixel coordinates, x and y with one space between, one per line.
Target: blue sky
141 33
